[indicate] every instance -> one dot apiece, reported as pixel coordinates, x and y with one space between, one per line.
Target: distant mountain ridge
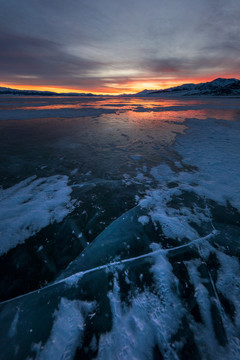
10 91
217 87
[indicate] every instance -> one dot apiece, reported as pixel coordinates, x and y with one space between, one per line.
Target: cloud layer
117 46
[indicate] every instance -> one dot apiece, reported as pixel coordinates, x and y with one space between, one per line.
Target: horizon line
62 90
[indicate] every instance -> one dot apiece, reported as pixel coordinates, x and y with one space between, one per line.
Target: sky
117 46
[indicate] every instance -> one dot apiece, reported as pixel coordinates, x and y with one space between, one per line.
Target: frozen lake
119 228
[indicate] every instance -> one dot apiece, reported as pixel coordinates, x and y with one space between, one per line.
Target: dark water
82 210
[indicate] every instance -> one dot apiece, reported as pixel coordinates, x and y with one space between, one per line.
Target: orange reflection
137 109
122 103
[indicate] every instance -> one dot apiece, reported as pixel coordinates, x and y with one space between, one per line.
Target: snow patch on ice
74 172
140 178
150 320
144 220
213 147
31 205
67 331
175 222
205 335
13 328
227 284
136 157
209 173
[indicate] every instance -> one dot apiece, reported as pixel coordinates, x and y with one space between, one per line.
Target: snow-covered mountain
217 87
10 91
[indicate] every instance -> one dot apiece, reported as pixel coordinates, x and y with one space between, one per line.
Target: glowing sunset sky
111 46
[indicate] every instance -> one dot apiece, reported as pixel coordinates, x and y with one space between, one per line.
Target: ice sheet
162 279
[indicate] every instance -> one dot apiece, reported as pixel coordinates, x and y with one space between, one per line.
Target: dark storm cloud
191 66
91 44
27 55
